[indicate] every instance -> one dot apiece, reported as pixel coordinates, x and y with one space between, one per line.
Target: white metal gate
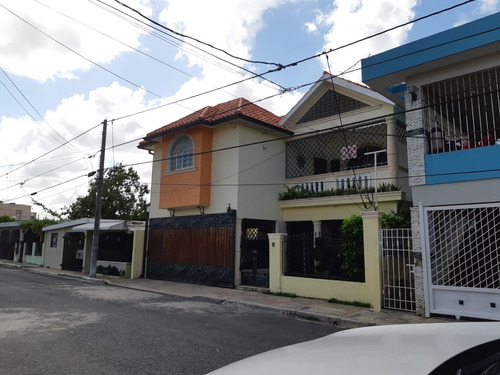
398 283
461 253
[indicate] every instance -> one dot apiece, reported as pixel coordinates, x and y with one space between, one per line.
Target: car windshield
483 359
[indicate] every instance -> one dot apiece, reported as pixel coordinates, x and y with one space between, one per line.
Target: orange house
185 184
216 177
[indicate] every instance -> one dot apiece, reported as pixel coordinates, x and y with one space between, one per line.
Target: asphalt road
53 325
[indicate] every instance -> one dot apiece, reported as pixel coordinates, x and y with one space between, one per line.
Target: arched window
181 154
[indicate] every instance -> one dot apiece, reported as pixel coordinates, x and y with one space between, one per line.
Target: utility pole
98 204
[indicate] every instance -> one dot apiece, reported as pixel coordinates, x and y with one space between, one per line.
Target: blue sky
68 65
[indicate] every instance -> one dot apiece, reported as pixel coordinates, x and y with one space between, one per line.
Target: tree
6 219
123 197
36 228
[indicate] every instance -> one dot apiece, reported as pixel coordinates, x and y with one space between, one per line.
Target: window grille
464 246
462 112
181 154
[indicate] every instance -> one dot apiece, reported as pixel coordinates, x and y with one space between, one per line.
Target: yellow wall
335 208
368 292
190 187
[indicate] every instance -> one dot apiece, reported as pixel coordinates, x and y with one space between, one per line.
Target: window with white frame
182 154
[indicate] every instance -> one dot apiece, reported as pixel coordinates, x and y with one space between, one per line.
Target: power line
181 42
319 55
346 128
86 58
31 105
48 152
197 40
421 18
378 34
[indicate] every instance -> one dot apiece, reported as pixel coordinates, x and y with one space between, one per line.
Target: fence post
371 229
276 254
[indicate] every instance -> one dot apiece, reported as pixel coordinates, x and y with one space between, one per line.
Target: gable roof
327 79
214 115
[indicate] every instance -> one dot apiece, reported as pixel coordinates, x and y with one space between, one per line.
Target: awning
104 226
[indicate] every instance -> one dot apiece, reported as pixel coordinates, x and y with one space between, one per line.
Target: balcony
461 120
340 150
462 113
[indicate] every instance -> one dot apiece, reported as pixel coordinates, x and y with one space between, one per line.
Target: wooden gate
398 283
190 249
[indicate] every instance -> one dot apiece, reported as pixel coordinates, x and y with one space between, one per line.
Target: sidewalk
344 316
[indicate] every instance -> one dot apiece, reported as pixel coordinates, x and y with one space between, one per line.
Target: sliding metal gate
398 284
462 259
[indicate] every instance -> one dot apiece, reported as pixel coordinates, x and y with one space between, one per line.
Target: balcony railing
462 112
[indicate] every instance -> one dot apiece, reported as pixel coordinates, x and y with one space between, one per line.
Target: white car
435 348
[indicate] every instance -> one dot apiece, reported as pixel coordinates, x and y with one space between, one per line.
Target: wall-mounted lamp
412 90
172 211
201 208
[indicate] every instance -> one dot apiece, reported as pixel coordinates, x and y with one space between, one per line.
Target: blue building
448 86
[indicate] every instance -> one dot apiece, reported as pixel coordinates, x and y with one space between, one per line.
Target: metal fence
320 256
398 283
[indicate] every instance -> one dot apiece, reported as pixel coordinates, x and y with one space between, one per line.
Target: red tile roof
210 116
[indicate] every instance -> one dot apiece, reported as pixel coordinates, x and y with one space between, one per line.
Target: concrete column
392 150
237 253
276 260
417 142
317 227
371 229
418 269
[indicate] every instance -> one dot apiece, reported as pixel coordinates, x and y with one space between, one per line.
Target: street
54 325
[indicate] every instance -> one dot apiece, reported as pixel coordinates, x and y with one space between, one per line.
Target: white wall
53 255
261 174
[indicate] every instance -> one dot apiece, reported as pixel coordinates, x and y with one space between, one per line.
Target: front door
73 250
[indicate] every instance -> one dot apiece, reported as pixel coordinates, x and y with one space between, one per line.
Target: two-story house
449 84
347 156
216 177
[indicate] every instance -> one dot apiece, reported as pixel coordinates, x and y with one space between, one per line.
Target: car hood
396 349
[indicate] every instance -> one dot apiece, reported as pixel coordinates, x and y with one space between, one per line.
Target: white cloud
232 26
311 27
26 51
350 21
488 6
73 117
484 8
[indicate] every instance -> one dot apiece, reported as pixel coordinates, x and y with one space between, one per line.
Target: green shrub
298 192
352 249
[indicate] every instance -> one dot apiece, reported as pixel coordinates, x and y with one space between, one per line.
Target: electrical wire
48 152
182 42
86 58
197 40
438 12
29 114
341 128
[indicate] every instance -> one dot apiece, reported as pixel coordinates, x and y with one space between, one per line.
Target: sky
66 66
